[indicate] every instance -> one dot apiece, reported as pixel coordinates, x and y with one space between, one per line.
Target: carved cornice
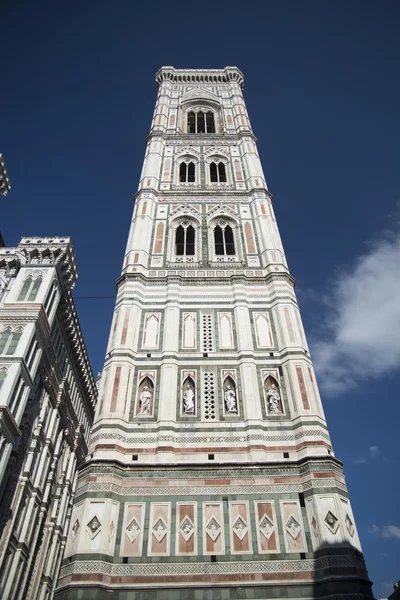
205 281
199 76
202 138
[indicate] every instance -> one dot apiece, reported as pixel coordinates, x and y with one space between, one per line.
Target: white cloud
385 531
374 451
362 324
360 460
386 588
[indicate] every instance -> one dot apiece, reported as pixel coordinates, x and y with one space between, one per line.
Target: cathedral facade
210 472
47 401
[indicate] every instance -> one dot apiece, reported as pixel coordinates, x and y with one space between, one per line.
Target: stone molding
112 488
267 566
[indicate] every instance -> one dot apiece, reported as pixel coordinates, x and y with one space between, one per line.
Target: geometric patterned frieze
272 566
331 522
227 439
204 490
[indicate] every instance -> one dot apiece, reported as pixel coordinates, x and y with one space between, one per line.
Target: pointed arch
230 395
151 331
24 290
4 337
3 375
34 289
273 395
224 240
188 394
145 397
12 346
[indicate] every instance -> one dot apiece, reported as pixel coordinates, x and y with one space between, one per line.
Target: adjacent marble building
47 402
211 472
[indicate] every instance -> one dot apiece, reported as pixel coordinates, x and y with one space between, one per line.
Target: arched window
185 240
224 242
34 289
191 123
14 342
9 341
201 122
4 337
217 172
187 172
210 122
30 289
3 373
24 290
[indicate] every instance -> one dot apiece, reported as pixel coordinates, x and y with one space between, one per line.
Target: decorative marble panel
132 529
225 330
313 523
240 528
213 528
151 330
189 324
159 529
329 518
263 330
292 525
186 529
267 530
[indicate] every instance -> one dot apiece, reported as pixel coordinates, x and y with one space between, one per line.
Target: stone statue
144 402
230 400
273 399
188 400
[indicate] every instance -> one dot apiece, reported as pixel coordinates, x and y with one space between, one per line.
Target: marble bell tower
210 471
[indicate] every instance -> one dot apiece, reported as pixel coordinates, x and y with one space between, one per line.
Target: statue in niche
144 401
230 400
273 399
188 400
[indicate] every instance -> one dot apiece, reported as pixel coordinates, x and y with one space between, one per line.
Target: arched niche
188 395
273 395
230 396
145 397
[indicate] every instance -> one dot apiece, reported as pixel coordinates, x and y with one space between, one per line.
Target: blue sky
322 91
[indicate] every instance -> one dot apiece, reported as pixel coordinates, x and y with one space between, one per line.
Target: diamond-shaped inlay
74 531
266 526
132 530
240 527
213 528
314 526
349 525
93 527
186 529
293 527
111 531
331 522
159 529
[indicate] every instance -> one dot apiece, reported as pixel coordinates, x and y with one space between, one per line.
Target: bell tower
210 471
